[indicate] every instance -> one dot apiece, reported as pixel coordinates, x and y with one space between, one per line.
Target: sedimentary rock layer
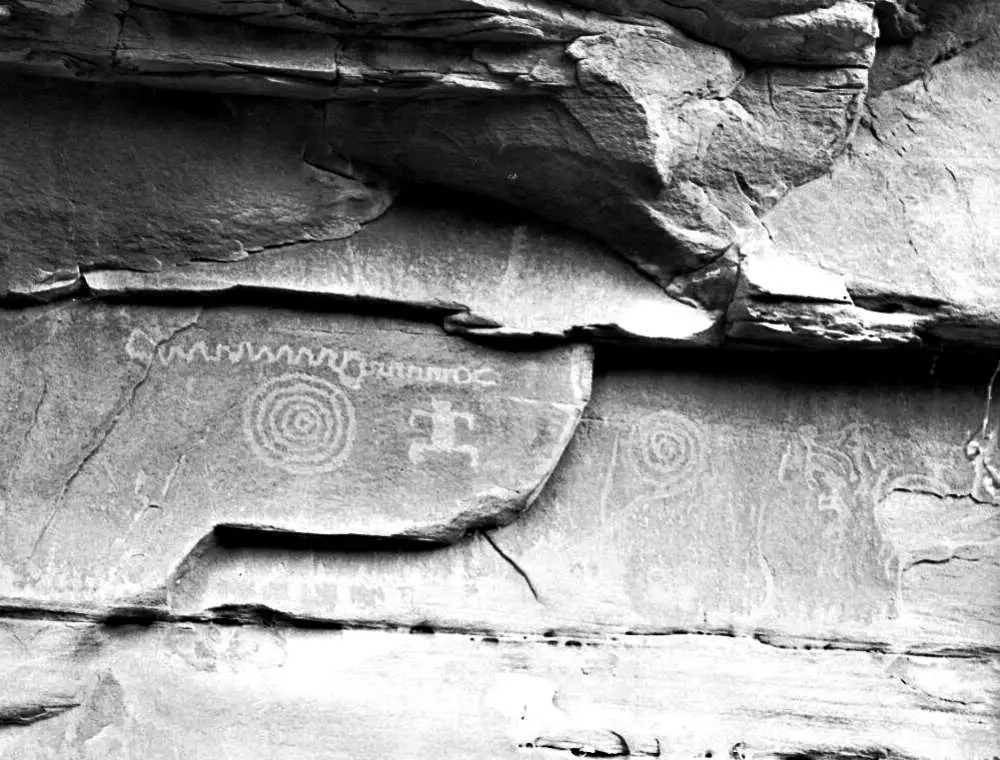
726 498
238 522
830 32
906 220
207 691
131 433
98 177
479 272
619 125
100 203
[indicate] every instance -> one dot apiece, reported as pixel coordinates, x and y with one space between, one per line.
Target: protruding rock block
810 32
130 433
907 218
666 149
132 179
613 121
482 273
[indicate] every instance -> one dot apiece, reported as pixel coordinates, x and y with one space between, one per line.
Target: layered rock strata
302 304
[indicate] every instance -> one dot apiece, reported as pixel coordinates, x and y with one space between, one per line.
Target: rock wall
507 379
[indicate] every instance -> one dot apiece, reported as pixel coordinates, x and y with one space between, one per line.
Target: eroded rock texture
905 221
129 179
182 690
615 123
301 307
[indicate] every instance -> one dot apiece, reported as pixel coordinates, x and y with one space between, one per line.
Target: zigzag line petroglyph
351 367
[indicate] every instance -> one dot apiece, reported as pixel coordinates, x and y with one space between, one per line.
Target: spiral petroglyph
666 449
302 424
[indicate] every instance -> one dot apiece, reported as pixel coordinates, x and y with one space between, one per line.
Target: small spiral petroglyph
666 449
302 424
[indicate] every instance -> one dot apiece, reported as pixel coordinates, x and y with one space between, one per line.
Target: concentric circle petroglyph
666 449
302 424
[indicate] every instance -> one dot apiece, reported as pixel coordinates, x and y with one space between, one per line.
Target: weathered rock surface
795 504
606 119
621 126
151 187
99 177
480 272
906 222
237 522
667 150
900 20
728 497
825 32
925 33
206 691
131 433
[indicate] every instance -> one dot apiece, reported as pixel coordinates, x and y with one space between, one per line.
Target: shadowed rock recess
500 378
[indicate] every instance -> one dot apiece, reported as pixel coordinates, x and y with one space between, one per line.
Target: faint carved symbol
580 373
666 449
140 346
300 423
847 480
444 432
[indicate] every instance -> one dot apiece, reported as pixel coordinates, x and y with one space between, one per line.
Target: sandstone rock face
837 32
95 178
906 217
301 307
615 123
132 433
671 171
673 509
480 274
182 690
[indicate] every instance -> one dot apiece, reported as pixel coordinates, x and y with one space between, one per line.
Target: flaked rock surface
906 221
256 691
610 120
811 32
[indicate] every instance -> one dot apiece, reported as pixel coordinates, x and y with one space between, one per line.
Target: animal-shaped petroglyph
299 423
443 438
841 470
848 482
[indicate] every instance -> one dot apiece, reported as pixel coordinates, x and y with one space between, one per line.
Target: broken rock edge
77 283
145 612
66 287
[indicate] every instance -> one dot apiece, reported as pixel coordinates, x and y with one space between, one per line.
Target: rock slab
134 432
202 691
127 178
721 497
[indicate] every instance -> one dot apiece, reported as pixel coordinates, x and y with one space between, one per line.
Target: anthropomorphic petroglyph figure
444 432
